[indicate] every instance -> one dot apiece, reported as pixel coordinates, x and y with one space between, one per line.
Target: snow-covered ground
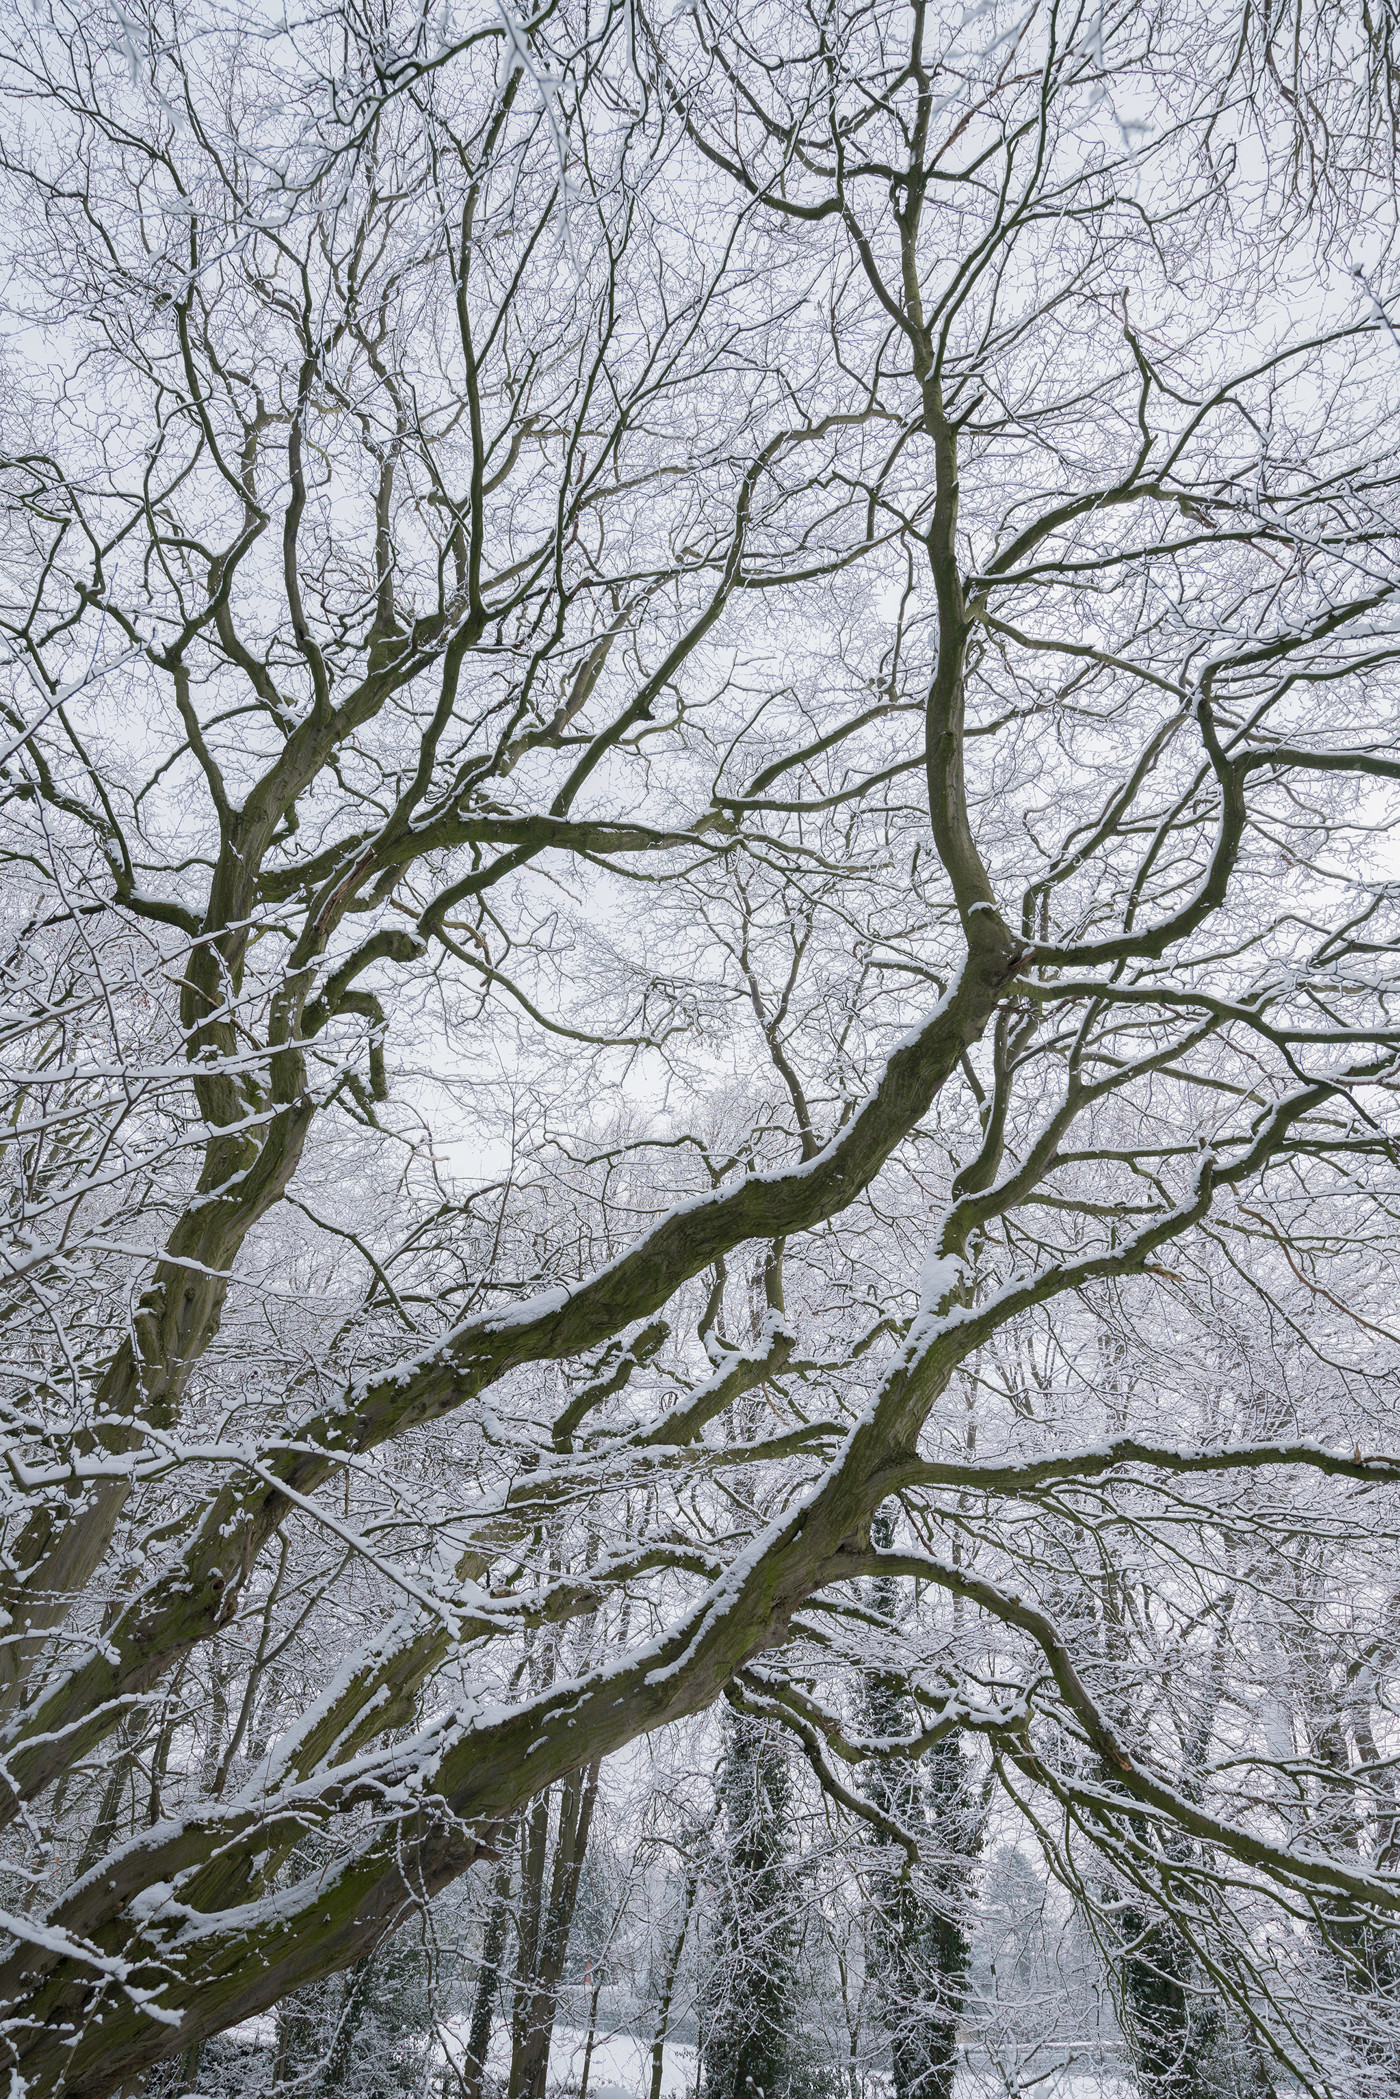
620 2067
620 2063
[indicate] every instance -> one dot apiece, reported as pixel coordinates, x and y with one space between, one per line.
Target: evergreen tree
1184 2041
380 2044
1171 2029
917 1948
748 2044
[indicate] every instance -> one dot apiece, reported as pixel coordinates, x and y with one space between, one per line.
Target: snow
619 2067
941 1274
258 2032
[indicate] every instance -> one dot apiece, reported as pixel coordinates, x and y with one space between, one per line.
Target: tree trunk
1170 2027
673 1966
538 1988
747 2046
488 1981
916 1946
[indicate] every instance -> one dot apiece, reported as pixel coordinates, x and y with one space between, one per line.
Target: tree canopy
699 757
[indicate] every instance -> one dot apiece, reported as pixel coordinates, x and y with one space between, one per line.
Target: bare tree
700 710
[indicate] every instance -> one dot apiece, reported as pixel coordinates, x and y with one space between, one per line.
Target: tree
542 1934
637 640
917 1947
749 2045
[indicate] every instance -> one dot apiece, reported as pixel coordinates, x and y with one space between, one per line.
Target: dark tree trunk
537 1986
488 1981
747 2048
916 1946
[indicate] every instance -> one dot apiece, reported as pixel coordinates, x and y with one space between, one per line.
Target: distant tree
748 2045
554 1853
1171 2016
917 1947
489 1970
